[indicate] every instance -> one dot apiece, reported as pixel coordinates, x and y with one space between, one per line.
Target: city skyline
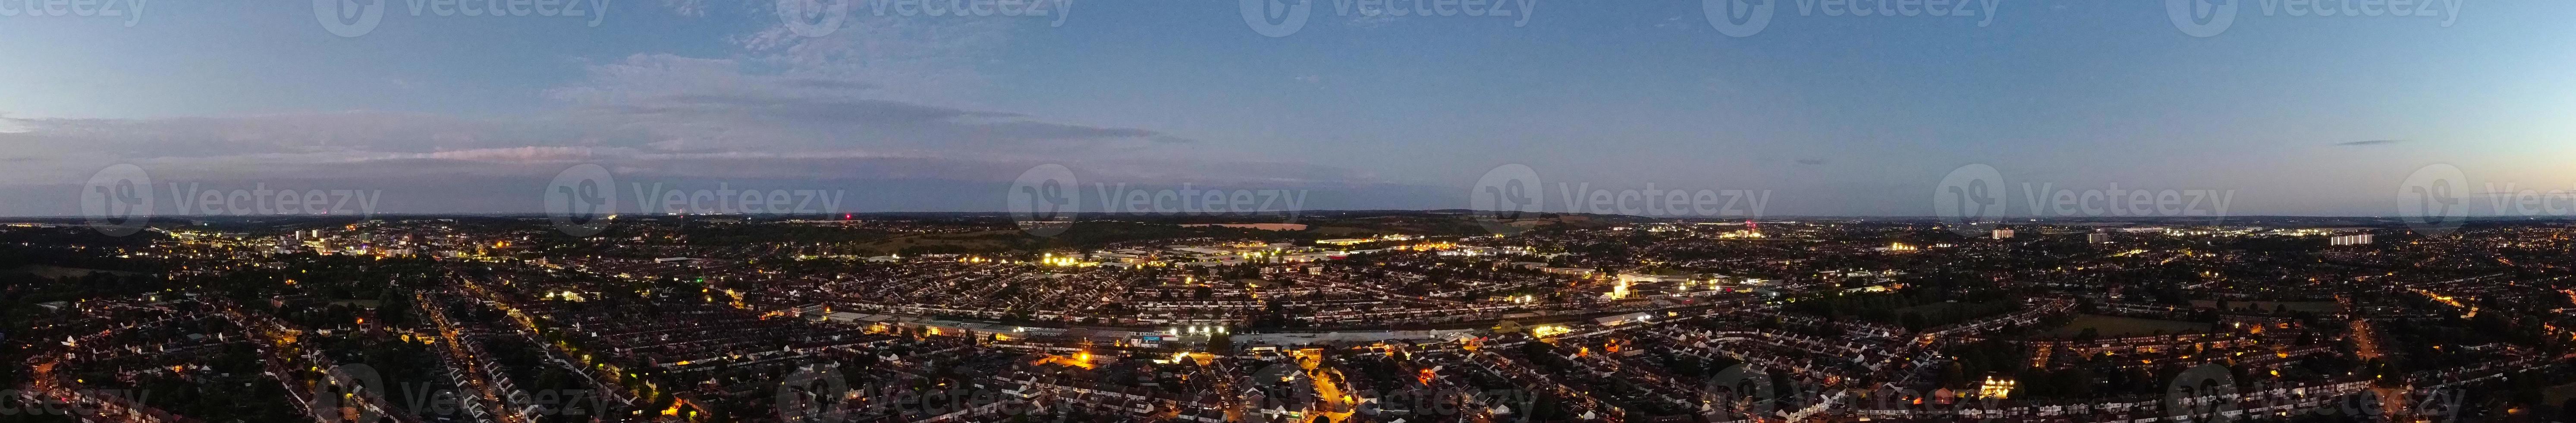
1830 112
1287 211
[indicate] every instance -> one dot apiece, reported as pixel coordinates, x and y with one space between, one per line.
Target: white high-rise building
2356 239
2003 234
2097 238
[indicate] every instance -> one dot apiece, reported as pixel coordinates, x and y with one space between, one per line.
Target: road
453 352
1335 406
2365 343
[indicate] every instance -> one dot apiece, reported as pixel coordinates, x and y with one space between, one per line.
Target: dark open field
2119 327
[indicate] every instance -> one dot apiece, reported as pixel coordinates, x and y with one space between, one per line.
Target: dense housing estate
1341 319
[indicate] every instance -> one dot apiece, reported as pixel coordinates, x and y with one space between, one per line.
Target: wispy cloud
2368 142
883 100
